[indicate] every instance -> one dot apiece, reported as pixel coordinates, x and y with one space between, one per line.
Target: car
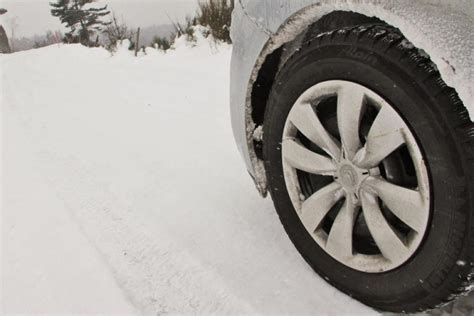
356 117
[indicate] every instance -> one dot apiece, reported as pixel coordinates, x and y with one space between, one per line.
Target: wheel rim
345 183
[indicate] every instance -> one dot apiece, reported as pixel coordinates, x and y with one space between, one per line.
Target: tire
380 59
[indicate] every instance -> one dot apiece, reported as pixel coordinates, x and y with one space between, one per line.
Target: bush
214 15
161 43
186 29
117 31
217 16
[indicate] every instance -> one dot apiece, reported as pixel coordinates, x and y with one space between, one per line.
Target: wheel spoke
339 243
304 159
386 239
316 207
350 106
306 121
408 205
385 136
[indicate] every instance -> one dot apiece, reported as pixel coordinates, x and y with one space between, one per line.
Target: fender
442 29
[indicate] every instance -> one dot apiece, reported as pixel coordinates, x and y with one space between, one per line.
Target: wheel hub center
350 178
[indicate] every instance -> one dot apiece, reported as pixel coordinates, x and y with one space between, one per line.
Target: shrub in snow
217 16
186 29
201 34
122 48
161 43
116 32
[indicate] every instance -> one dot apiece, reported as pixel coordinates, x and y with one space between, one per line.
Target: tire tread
445 284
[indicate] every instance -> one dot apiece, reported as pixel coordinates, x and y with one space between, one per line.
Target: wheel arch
309 22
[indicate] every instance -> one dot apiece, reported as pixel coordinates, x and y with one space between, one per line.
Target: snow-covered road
123 192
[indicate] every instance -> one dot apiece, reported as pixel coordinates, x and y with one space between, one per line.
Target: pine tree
82 20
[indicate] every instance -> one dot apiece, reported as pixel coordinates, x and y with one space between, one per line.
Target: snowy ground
123 192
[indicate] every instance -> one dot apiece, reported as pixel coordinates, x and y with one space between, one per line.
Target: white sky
34 17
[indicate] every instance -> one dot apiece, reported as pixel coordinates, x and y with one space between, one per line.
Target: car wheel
369 160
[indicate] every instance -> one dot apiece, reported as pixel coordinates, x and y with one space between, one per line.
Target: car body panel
443 29
242 68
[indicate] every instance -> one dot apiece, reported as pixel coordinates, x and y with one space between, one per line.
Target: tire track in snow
157 277
206 245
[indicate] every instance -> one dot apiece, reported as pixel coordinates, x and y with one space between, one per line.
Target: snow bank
123 186
201 43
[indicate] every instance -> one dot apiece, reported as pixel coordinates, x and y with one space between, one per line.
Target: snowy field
123 192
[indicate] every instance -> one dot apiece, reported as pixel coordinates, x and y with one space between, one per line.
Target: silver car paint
443 29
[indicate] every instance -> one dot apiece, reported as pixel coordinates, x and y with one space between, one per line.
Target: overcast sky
34 16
